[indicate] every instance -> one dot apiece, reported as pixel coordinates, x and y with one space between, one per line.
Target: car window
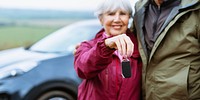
65 39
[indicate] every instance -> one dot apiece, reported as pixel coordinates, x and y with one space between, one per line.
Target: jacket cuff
104 51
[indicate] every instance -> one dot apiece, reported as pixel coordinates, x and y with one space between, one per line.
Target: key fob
126 69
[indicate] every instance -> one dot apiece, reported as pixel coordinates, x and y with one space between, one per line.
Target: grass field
24 32
23 27
15 36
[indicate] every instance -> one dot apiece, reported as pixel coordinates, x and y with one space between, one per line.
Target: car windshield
65 39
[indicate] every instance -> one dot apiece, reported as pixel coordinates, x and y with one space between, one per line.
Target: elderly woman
99 61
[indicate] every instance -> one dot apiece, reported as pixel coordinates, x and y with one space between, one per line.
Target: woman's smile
117 27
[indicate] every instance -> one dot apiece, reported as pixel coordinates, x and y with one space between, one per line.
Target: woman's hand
122 43
76 47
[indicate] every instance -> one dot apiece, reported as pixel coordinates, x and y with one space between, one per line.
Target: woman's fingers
129 46
118 44
122 43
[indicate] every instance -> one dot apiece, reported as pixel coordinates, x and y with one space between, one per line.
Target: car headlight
16 69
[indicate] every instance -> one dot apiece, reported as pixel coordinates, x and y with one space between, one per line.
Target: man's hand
122 43
76 47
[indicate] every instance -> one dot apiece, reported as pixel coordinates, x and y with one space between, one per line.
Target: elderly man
168 32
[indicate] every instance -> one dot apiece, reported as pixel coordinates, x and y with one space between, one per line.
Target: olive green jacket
172 71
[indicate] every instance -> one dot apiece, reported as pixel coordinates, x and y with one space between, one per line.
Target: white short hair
113 5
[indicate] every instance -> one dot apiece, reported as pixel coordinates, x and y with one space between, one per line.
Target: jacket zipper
117 78
106 79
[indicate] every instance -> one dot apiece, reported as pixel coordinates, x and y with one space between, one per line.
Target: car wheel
56 95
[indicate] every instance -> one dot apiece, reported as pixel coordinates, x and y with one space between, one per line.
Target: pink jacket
100 70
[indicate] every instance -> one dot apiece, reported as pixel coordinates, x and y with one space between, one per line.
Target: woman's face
115 23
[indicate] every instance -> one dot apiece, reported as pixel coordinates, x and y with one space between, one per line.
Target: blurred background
43 70
23 22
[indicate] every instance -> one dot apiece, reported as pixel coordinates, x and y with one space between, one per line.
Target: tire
56 95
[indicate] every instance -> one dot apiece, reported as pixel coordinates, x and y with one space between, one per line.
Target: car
45 70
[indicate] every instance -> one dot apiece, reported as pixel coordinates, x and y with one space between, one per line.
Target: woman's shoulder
97 37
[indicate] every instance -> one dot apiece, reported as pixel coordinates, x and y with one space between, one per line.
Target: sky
52 4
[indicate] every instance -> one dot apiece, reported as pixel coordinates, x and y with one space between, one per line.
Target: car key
126 68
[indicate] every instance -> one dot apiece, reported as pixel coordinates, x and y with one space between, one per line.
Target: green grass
24 32
16 36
